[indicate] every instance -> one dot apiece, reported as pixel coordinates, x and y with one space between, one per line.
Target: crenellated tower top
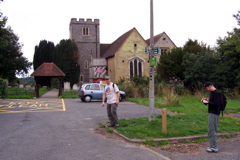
87 21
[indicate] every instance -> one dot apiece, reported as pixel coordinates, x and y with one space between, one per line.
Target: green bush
3 87
134 88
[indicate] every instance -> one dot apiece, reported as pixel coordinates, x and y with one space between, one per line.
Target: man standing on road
112 93
214 111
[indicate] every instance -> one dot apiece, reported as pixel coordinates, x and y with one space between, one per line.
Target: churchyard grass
70 94
21 93
191 120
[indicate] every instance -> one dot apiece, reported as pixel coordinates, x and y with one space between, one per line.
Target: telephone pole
151 77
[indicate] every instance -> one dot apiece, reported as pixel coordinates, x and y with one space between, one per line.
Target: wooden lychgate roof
48 69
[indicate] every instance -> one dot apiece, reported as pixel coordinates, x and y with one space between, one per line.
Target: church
123 58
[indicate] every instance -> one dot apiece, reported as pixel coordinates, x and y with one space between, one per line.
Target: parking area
31 105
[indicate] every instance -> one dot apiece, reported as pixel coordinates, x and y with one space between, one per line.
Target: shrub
140 80
201 94
135 87
231 93
169 96
3 87
158 88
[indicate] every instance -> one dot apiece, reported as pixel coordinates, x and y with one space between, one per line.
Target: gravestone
75 87
28 87
67 86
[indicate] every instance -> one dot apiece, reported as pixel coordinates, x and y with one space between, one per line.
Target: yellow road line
64 107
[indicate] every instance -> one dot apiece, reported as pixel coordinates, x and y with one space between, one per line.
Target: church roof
157 37
111 49
48 69
104 48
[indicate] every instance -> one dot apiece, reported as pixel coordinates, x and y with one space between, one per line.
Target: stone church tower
86 36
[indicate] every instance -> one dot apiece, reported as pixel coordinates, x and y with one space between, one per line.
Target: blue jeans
212 129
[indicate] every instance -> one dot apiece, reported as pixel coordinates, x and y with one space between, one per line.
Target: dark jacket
214 102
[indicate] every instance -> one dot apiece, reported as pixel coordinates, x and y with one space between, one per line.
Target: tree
197 69
227 74
12 61
64 55
191 64
43 53
170 67
198 64
195 47
66 58
237 16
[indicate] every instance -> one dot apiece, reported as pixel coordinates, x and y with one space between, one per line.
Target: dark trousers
112 113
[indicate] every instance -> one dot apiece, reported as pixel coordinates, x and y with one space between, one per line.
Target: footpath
50 94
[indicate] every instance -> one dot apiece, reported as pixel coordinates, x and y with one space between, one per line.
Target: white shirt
111 93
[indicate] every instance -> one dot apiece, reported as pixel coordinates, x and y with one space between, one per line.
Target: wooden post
36 90
60 86
36 87
164 120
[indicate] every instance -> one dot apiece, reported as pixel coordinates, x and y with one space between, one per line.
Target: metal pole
151 77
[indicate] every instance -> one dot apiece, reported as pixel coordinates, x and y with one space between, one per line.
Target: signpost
152 64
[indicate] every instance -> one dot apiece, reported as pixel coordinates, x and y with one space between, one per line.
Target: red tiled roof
104 48
48 69
109 50
112 49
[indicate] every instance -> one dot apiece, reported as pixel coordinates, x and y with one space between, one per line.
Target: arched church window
131 69
135 67
85 31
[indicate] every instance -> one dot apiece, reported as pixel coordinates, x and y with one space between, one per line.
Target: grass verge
192 121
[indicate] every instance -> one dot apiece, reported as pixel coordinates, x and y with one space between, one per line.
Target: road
55 129
65 135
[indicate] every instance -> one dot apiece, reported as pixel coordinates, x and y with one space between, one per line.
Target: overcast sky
203 20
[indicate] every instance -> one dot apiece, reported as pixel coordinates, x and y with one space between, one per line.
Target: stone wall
88 45
119 67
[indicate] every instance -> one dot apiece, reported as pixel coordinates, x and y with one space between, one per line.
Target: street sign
156 51
153 61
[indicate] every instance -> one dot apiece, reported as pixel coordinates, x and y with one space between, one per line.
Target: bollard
164 120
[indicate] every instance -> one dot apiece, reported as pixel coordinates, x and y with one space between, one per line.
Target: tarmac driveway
67 135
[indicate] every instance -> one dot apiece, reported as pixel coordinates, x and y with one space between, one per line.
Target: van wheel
87 98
